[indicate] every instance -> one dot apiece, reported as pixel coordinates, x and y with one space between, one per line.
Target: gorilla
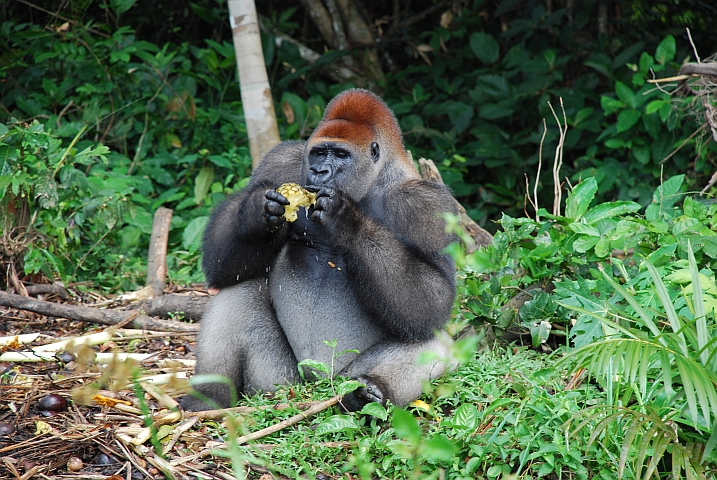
364 266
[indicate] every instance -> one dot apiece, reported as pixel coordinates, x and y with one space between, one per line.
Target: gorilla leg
240 339
390 372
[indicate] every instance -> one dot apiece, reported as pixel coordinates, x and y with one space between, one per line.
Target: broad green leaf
467 416
484 47
121 6
494 111
406 425
602 247
668 193
192 233
375 410
314 365
641 153
579 199
625 94
610 210
583 114
202 184
666 50
583 244
611 105
655 106
347 386
615 143
439 448
627 119
584 229
336 424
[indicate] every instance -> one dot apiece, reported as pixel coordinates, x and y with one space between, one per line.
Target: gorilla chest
314 301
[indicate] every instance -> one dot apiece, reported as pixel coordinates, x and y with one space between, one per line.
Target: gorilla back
363 266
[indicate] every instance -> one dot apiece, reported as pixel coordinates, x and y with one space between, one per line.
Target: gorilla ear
375 152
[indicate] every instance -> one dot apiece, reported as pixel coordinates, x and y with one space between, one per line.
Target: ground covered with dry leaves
82 411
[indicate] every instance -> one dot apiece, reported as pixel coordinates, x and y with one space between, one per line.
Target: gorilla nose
319 175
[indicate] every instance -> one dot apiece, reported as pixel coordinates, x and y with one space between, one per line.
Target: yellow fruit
297 197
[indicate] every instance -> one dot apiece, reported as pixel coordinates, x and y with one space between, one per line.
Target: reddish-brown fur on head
359 117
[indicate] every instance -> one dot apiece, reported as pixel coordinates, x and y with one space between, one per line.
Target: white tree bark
253 80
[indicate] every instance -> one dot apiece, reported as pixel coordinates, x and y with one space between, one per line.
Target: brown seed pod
74 464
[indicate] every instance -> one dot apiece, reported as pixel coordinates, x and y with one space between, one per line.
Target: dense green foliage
170 116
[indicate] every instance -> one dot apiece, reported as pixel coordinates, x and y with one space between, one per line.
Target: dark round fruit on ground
6 429
52 404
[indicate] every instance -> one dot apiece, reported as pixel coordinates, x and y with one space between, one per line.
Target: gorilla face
345 168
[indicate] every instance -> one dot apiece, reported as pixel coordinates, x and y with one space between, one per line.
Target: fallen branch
218 415
93 315
192 307
319 407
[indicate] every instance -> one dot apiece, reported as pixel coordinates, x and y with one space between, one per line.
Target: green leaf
615 143
611 105
375 410
641 153
121 6
337 424
192 234
625 94
610 210
494 111
584 229
667 194
439 448
485 47
583 114
583 244
347 386
703 336
666 50
579 199
202 184
467 416
627 119
314 365
406 425
655 106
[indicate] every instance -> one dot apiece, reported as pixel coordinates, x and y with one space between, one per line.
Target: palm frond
699 306
666 301
644 438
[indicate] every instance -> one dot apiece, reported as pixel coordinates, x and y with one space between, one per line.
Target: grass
502 413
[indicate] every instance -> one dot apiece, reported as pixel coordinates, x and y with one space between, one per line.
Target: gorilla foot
356 400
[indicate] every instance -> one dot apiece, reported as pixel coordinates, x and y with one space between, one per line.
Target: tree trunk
343 28
255 90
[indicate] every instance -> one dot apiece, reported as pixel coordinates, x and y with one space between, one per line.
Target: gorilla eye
375 151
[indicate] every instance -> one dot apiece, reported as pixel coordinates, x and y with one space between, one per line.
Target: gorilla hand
274 209
329 204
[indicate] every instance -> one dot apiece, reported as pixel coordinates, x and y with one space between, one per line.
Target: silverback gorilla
363 266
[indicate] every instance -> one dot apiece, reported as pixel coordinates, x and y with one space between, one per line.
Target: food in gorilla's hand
297 196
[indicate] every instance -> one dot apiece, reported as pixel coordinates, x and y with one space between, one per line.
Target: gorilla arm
245 233
396 263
